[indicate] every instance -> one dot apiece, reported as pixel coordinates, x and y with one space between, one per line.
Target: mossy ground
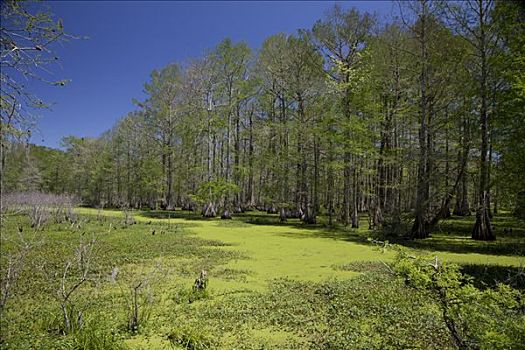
271 285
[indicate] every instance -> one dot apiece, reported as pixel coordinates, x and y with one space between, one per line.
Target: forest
400 140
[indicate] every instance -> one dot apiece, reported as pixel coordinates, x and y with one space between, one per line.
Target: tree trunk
482 228
489 171
445 209
169 179
237 153
420 226
462 207
355 198
315 189
251 192
347 173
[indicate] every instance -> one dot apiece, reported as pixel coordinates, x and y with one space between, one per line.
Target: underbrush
140 286
58 289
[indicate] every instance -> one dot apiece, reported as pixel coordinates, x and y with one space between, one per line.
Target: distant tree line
421 115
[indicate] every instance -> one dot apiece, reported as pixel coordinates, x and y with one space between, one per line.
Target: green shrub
92 338
475 319
191 338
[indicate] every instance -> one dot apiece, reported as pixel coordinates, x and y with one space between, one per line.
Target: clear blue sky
128 39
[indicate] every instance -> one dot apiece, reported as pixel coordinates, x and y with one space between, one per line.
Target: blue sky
128 39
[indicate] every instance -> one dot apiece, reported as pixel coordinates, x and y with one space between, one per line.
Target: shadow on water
451 235
465 245
454 235
488 276
328 233
258 218
171 214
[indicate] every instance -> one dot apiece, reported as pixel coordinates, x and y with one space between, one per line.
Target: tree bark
420 226
355 198
482 228
462 207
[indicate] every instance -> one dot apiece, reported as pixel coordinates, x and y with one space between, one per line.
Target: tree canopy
422 115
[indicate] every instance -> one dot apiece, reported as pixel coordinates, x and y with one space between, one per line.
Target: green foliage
509 64
486 319
190 295
250 304
307 122
368 312
215 190
93 336
35 168
364 266
191 338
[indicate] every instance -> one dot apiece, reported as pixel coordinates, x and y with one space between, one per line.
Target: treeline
421 115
